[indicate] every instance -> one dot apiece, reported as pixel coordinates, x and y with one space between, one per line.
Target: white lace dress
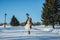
27 26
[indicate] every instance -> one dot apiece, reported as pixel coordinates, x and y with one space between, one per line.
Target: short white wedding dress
27 26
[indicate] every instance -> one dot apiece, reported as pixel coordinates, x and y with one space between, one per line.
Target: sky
19 8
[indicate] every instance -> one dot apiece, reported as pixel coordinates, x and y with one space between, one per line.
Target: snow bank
3 26
37 33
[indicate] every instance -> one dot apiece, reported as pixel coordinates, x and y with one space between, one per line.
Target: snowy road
37 33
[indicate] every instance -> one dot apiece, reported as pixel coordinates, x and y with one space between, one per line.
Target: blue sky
19 8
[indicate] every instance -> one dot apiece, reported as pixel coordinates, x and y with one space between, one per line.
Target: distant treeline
15 22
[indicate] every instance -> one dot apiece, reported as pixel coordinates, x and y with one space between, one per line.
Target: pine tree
14 21
58 10
49 14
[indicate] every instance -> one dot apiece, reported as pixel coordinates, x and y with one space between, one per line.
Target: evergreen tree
14 21
58 10
49 14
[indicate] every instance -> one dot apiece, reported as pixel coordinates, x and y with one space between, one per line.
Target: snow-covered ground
37 33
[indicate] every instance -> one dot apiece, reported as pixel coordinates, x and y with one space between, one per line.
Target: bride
28 23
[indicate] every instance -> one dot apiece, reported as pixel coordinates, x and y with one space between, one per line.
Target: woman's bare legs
28 32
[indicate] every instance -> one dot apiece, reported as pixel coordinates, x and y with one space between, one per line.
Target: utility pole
5 20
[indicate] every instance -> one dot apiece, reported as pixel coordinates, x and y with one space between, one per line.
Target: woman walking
28 23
